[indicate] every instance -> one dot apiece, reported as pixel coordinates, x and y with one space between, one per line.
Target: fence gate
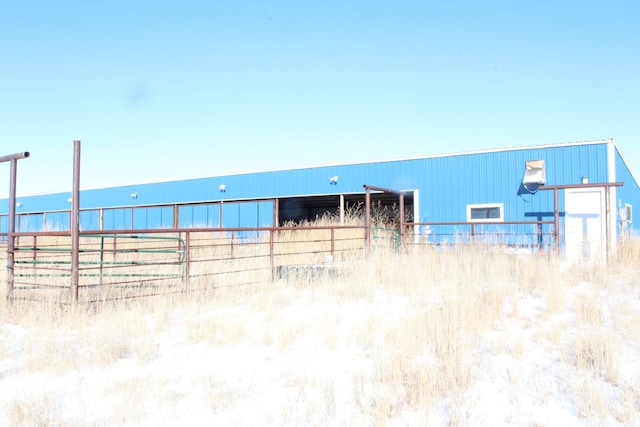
108 265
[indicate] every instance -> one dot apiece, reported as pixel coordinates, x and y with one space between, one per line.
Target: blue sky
159 90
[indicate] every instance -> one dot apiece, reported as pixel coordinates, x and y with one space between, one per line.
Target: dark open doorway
311 208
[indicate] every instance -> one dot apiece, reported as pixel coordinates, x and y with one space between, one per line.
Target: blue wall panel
89 220
446 184
199 216
30 222
57 221
117 219
629 193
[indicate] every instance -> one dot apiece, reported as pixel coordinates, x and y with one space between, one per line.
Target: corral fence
124 263
512 236
121 263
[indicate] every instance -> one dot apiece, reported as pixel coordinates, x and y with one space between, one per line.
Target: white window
493 212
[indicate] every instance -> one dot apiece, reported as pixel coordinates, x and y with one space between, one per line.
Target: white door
585 224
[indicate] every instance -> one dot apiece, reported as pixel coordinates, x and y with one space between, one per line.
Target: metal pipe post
367 218
16 156
12 229
75 224
401 228
556 221
607 216
13 158
187 257
271 253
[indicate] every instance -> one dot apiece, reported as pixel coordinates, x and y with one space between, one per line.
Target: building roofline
432 156
401 159
516 148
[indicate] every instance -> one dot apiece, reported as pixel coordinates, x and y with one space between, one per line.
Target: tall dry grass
399 337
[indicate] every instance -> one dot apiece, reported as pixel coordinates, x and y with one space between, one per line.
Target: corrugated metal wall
446 186
627 194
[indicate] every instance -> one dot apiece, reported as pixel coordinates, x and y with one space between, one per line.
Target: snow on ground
296 356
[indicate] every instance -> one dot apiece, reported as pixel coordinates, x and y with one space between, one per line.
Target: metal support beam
399 193
367 219
75 224
13 158
401 225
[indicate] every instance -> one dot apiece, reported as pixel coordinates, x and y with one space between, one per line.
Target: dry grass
597 353
399 338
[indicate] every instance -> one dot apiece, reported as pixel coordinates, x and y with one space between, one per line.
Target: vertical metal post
101 257
333 243
35 254
607 216
556 221
176 216
75 223
11 244
12 228
187 257
367 219
276 209
271 254
231 245
401 219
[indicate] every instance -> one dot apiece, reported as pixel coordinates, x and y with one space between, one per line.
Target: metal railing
103 257
518 235
119 264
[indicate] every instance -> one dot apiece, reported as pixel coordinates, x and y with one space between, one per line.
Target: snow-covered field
411 340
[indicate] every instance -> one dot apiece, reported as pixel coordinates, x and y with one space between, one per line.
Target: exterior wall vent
534 175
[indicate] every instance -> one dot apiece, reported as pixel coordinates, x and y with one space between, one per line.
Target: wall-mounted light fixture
222 188
18 204
333 180
70 199
134 195
585 179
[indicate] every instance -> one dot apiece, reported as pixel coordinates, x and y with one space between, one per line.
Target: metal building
583 191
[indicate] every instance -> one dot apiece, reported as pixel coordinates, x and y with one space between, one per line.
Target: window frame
500 207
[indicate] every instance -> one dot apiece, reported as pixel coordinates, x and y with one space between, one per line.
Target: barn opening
385 207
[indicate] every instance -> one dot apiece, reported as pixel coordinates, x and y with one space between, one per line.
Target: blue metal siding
453 182
151 218
265 214
496 177
57 221
629 193
117 219
89 220
446 185
199 216
30 223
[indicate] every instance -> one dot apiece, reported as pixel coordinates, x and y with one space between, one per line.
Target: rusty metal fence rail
120 264
516 236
